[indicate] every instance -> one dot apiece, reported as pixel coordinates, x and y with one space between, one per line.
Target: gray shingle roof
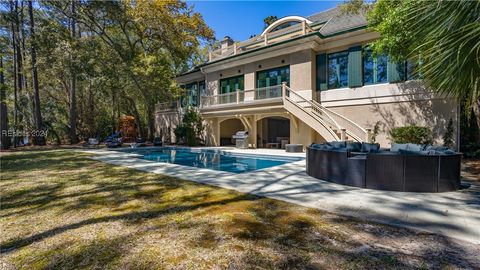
338 21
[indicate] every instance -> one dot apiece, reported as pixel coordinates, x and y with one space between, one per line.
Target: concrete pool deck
454 214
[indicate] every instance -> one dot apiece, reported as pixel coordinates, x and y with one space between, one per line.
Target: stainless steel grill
241 139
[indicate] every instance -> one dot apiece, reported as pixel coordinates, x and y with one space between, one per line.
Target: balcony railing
241 97
261 41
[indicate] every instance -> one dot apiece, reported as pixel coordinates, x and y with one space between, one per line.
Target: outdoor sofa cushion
337 145
397 146
413 152
414 147
354 146
318 146
428 152
436 148
370 147
407 146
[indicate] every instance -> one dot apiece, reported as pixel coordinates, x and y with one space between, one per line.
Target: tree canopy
443 35
96 60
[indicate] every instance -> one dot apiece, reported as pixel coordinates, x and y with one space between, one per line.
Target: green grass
62 210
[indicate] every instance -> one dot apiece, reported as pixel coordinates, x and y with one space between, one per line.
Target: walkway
455 214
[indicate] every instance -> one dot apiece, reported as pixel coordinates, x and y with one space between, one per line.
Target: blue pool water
212 159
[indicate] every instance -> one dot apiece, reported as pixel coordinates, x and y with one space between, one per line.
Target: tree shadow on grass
131 217
274 234
300 240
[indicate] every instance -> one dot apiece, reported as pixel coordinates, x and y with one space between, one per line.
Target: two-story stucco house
304 80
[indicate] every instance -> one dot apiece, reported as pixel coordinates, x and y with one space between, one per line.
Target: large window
338 70
191 97
230 85
273 77
269 82
374 68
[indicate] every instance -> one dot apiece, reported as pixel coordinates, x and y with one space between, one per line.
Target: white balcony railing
261 41
242 96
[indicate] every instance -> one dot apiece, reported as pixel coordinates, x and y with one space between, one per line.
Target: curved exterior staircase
329 124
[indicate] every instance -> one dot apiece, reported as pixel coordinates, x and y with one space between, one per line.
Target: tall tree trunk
73 99
39 138
151 121
91 113
4 138
114 128
16 63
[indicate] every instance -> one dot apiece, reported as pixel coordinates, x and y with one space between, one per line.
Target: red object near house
126 125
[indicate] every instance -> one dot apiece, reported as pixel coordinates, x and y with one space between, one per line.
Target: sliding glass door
228 88
269 82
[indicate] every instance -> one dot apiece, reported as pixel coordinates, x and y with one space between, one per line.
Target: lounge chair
157 141
114 143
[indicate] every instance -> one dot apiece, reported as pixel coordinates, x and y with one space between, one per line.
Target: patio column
253 131
343 134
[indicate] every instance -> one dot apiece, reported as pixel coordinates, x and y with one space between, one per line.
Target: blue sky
240 19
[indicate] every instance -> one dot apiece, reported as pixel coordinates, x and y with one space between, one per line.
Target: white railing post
238 96
209 56
284 89
235 48
265 39
304 27
369 135
343 134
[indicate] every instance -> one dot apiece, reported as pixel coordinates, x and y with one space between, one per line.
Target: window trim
272 69
230 78
327 69
375 69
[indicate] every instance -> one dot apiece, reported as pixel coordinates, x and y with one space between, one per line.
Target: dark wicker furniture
386 170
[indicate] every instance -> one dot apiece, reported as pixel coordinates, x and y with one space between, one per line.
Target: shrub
191 128
411 134
376 130
448 136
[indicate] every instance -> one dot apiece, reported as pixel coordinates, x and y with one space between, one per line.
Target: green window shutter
355 66
395 71
321 72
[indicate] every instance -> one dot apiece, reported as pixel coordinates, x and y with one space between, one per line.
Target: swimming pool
212 159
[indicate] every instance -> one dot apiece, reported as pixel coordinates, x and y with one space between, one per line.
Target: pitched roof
338 21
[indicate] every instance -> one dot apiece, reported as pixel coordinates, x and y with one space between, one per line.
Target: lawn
60 209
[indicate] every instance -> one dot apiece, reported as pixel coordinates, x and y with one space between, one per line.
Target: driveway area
454 214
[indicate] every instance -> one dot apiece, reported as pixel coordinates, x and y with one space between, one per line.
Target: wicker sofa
382 169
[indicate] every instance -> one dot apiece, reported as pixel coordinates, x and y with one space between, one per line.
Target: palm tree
447 36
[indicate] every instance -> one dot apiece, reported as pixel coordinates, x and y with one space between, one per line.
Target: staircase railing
313 110
353 129
335 121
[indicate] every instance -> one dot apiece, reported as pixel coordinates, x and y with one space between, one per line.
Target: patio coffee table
294 148
273 145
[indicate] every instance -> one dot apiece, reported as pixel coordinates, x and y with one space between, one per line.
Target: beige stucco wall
434 114
165 123
230 127
393 105
302 70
